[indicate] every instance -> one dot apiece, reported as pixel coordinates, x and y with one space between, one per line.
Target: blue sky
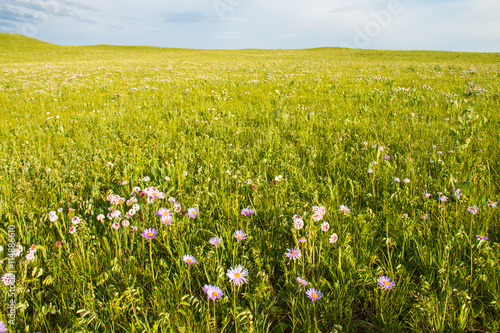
458 25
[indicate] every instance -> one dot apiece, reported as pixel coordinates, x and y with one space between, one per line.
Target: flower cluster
114 215
131 201
213 293
115 200
318 213
31 253
457 193
53 216
152 193
334 238
298 223
165 215
8 279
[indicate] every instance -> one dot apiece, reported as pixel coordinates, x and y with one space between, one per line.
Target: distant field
385 162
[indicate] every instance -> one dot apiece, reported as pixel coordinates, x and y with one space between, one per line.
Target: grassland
275 131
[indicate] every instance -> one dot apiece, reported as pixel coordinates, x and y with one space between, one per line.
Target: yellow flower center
214 294
150 234
188 260
237 274
293 252
315 295
386 283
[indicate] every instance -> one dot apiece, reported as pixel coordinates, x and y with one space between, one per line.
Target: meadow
320 190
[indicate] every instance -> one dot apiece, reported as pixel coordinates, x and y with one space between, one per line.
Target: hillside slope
20 49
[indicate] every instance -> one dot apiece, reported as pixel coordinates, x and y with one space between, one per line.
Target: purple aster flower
386 283
482 237
314 294
247 212
237 275
344 209
166 219
188 259
302 281
387 157
491 203
442 197
302 240
214 293
472 209
193 212
3 327
149 233
215 241
163 212
294 253
239 235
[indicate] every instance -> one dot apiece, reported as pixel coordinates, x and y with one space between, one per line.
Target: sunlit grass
277 132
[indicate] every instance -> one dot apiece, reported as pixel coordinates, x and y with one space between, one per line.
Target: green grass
79 121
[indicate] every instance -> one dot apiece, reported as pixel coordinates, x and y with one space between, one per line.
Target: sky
449 25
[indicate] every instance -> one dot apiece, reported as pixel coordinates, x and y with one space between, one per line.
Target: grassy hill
19 48
20 42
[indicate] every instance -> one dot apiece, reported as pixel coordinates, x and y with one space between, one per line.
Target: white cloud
460 25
